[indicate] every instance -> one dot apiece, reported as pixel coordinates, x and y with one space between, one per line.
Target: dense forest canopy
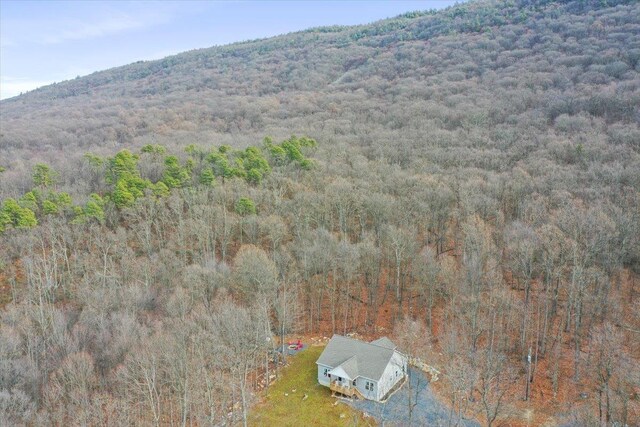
474 191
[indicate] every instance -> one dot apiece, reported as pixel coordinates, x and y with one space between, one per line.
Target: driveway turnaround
413 405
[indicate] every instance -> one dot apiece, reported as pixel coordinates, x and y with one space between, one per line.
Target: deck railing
346 390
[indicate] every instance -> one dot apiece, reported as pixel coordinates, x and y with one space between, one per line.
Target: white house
368 370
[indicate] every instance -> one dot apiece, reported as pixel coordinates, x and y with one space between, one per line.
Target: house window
326 373
354 382
368 386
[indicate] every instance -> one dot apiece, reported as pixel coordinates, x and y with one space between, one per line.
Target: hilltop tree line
475 194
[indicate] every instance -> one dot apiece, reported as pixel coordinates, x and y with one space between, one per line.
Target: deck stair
345 390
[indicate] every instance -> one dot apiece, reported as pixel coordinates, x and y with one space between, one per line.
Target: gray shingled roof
384 342
350 367
369 359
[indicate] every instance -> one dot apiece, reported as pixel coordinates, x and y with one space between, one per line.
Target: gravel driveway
428 411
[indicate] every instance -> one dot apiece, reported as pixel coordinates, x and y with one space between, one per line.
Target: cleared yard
318 409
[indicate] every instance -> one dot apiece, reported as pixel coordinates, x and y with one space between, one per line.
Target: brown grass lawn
276 409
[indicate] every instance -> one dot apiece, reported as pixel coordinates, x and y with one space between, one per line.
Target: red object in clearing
295 345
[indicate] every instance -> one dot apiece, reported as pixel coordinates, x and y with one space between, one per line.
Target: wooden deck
345 390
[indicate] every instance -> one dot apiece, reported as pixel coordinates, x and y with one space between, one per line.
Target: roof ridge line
377 345
367 342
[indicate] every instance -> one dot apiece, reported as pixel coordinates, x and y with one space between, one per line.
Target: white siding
339 373
393 373
321 378
361 384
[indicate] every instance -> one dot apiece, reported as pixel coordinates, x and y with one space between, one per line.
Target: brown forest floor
542 408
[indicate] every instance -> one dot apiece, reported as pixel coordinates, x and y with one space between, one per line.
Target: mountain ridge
445 66
467 11
473 195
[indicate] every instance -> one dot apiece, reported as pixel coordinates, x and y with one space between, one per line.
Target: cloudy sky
50 41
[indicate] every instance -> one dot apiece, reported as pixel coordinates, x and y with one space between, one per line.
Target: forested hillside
468 183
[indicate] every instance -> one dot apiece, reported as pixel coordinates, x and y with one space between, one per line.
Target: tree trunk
243 393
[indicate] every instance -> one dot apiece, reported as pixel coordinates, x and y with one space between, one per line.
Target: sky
42 42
